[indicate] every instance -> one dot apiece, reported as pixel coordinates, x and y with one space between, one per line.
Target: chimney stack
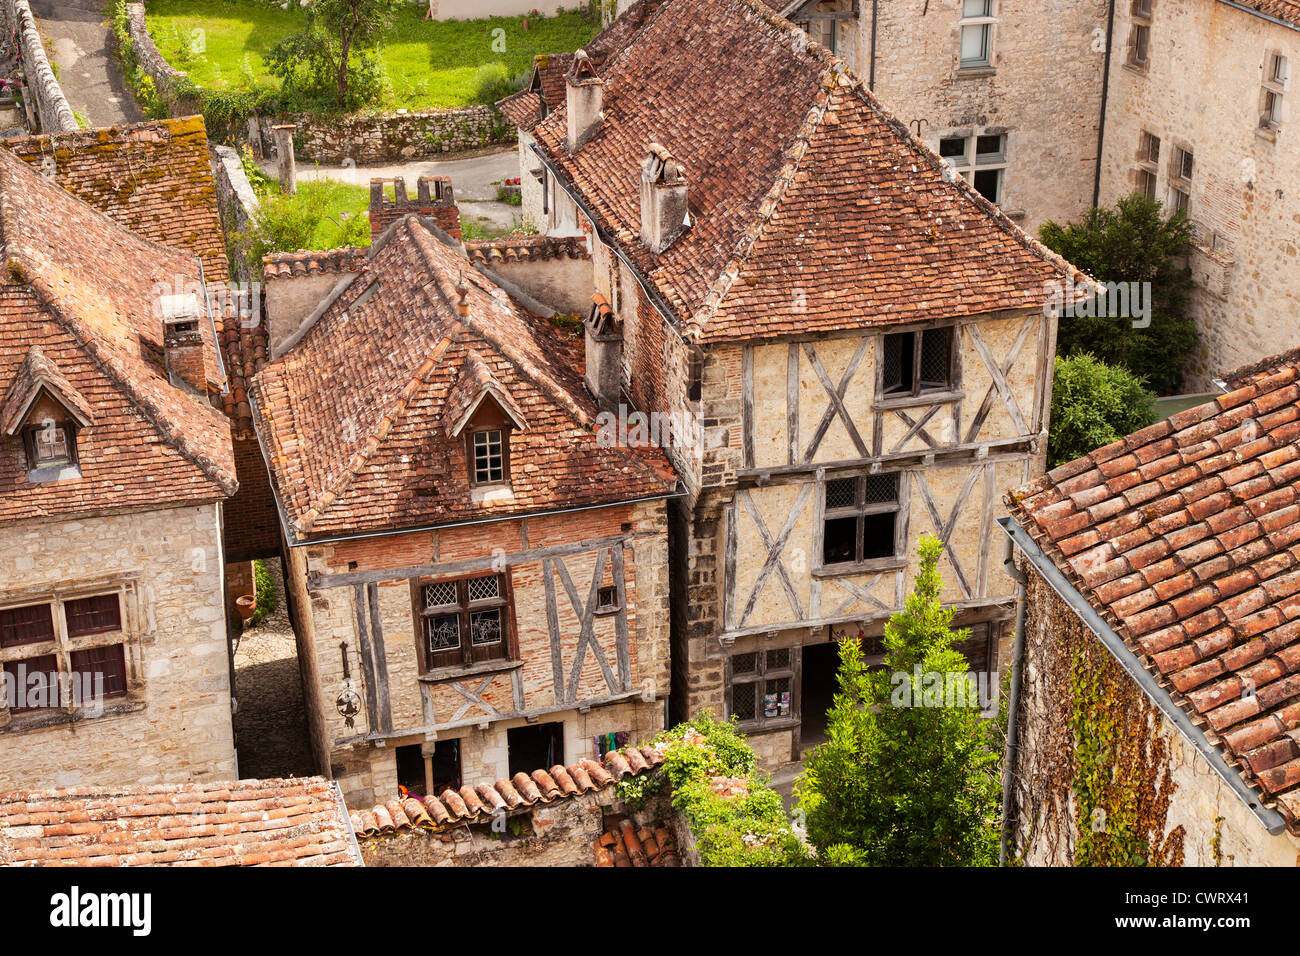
603 340
183 343
434 199
584 100
664 214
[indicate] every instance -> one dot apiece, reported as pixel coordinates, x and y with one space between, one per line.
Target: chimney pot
664 211
603 342
434 199
183 348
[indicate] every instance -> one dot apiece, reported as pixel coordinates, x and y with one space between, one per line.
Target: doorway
820 664
535 747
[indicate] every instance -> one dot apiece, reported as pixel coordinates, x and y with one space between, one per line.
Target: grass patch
429 64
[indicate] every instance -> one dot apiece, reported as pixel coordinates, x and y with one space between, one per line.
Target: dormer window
44 411
490 460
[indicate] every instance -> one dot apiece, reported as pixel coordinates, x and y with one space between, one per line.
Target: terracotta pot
246 605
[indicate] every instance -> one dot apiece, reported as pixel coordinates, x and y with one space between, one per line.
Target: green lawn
430 65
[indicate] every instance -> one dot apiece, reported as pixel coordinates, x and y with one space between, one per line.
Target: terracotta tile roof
246 349
155 178
546 89
36 373
245 823
492 252
1285 10
477 804
813 208
624 844
1186 537
352 415
85 291
285 265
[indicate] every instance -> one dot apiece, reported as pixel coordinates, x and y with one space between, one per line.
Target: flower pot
246 605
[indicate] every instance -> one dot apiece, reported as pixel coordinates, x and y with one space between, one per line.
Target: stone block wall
175 724
52 107
237 205
392 137
1202 91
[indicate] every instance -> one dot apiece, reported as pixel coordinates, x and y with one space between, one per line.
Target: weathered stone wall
531 210
367 773
165 77
237 205
1193 806
174 726
1043 91
1202 91
52 107
391 137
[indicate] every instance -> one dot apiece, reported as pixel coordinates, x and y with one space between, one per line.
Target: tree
1132 243
906 778
332 59
1094 404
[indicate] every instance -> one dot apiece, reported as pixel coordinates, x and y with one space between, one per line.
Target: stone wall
174 726
1043 91
1202 91
52 107
423 712
237 205
1216 827
165 77
391 137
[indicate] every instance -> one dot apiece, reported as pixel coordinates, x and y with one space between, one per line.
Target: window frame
917 391
1141 15
30 445
1182 168
1272 92
1147 173
66 646
792 671
970 162
471 454
463 656
986 23
862 509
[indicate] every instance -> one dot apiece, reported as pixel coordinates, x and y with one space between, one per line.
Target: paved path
472 177
86 67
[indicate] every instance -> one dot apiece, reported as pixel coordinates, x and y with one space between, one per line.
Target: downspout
1013 704
875 12
1105 99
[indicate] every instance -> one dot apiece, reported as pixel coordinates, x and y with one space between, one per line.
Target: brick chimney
183 343
664 215
603 340
584 100
434 198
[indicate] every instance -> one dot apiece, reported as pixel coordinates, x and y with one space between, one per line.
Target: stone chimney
183 342
664 215
603 339
434 198
584 100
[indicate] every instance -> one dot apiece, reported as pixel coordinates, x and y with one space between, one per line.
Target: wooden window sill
438 674
912 401
874 566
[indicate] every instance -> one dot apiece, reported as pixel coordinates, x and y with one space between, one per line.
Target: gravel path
270 724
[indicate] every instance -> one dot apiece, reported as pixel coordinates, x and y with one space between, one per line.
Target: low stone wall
52 107
148 58
237 204
391 137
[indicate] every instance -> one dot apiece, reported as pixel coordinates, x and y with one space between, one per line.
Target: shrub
332 60
1133 242
267 594
1094 404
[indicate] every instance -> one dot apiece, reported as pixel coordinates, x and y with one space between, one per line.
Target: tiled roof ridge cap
1267 364
110 366
538 247
174 126
477 803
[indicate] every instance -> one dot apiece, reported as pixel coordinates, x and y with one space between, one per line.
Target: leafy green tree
333 58
1133 242
905 779
1094 404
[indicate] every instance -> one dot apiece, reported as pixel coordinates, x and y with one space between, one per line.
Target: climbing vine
1093 783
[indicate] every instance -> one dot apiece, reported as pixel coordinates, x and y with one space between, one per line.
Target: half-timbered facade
859 336
478 583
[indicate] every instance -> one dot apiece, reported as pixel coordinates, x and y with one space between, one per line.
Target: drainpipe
875 11
1105 98
1017 673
